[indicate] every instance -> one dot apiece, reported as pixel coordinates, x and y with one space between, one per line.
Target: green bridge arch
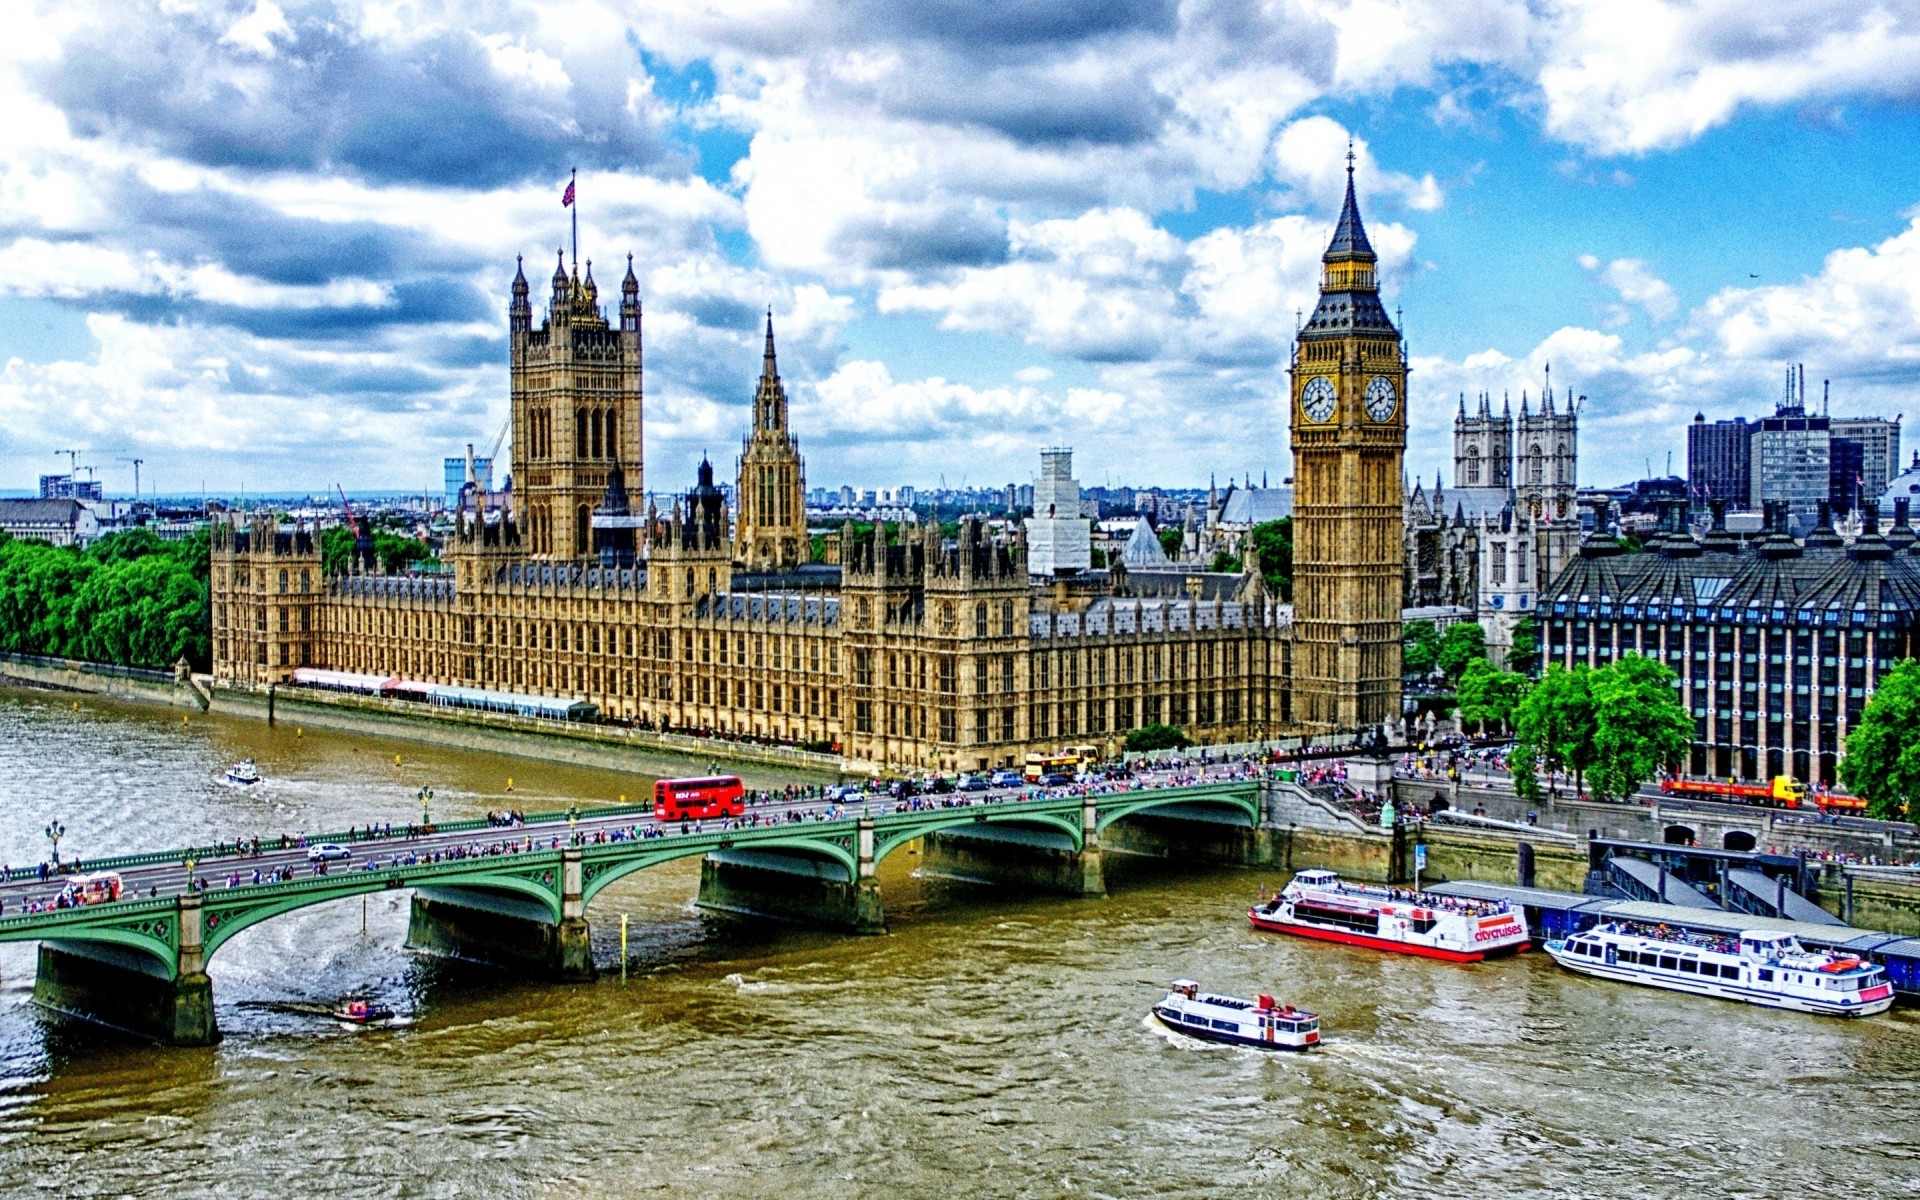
150 927
616 862
889 838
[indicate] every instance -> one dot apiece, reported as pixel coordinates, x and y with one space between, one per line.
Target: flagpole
573 180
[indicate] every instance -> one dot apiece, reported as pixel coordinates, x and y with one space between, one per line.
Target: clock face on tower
1317 399
1381 398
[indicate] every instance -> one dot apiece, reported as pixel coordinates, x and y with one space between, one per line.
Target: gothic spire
1350 236
770 399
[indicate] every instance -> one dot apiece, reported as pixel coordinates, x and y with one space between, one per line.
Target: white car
328 852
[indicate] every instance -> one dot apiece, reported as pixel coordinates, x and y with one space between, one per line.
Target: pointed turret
519 309
1350 236
630 300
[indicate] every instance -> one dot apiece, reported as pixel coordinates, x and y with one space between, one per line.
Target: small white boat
1772 970
1319 904
363 1012
243 772
1259 1023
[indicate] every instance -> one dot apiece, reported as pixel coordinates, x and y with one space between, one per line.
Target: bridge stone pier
502 929
797 887
1036 857
132 989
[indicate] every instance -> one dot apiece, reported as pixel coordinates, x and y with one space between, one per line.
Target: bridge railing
225 851
229 850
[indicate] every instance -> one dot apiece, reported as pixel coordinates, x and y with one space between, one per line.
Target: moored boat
1259 1023
243 772
1760 967
1319 904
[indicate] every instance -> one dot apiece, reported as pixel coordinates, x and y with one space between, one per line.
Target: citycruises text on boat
1319 904
1259 1023
1769 969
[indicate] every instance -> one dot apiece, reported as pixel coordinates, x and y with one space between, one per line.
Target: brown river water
992 1044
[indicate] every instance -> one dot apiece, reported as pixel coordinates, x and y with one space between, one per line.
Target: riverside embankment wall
606 746
582 744
98 679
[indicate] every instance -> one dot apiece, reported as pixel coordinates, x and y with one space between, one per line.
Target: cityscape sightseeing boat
1769 969
243 772
1319 904
1258 1023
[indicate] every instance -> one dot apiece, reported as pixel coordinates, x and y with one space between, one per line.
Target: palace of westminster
929 652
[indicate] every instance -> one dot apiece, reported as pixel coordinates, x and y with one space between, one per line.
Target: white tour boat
1259 1023
1319 904
1769 969
243 772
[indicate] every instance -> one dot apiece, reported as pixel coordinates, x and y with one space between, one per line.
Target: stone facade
1349 437
921 652
576 409
771 531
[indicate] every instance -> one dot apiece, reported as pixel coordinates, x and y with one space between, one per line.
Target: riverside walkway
518 895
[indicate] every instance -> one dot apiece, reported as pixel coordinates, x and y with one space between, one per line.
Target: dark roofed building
1778 645
61 522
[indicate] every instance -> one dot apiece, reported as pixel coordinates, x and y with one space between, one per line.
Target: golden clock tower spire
1349 437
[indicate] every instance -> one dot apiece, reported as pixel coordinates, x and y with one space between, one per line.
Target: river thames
992 1044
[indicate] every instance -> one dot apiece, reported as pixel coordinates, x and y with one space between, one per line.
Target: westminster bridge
518 896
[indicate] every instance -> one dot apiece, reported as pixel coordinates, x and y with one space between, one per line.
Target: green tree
1158 737
1272 543
1462 643
1419 647
1882 760
1226 563
1639 725
1489 697
1553 729
130 599
397 552
336 550
1170 540
1524 654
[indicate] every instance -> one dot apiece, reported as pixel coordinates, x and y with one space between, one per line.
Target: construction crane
136 474
493 455
353 522
73 461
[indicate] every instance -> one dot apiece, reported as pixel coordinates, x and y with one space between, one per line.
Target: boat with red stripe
1319 904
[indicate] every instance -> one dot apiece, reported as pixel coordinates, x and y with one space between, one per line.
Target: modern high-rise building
1879 442
1720 461
456 475
66 487
1349 438
1792 460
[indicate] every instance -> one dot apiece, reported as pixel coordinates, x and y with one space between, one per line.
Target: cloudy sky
268 242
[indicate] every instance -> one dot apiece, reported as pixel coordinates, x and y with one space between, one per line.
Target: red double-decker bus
698 799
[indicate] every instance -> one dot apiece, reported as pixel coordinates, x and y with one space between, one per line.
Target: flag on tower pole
566 201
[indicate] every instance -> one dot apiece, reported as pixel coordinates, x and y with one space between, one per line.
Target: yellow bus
1068 760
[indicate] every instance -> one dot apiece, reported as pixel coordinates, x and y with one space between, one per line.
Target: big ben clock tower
1349 435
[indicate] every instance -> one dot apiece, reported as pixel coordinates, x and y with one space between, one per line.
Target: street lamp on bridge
55 831
426 809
